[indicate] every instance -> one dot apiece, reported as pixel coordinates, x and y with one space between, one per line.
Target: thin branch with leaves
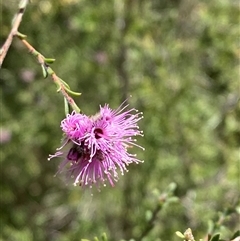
15 25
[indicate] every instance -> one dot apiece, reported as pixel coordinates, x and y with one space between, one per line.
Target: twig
16 22
62 86
165 198
150 224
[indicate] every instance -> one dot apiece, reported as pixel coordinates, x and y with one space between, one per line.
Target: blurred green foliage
179 61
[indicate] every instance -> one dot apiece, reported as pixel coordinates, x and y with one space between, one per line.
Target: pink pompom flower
95 149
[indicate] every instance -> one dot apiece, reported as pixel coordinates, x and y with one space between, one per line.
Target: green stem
63 87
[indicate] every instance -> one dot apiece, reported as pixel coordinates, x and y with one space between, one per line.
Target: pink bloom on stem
99 145
76 125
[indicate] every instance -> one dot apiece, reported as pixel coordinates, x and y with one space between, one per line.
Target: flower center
98 133
75 153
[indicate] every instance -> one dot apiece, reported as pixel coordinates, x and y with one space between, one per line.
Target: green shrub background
179 60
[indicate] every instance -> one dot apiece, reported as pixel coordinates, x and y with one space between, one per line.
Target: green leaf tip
20 35
104 237
66 106
73 92
64 83
50 71
75 107
179 234
59 89
172 187
49 60
44 71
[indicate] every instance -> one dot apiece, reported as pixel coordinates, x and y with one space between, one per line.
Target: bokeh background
179 60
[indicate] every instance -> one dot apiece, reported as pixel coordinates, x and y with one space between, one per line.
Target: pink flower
99 145
76 126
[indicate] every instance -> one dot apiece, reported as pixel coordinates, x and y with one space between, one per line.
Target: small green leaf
50 71
172 187
179 234
148 215
104 237
75 107
44 71
66 106
64 83
49 60
72 92
59 88
21 36
215 237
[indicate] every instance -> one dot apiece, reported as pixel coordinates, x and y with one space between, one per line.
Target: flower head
97 146
76 126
